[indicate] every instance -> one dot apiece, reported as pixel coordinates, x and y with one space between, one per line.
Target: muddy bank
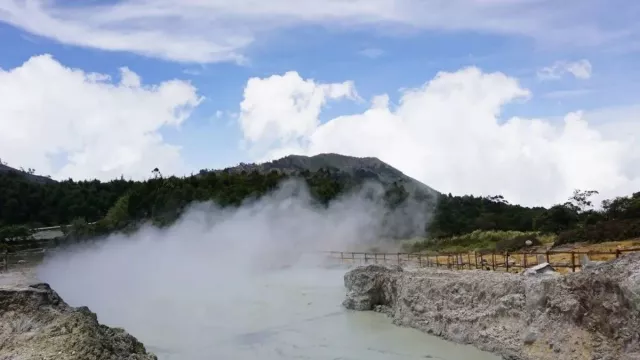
35 323
593 314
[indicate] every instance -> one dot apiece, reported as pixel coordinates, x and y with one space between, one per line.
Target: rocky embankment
35 323
588 315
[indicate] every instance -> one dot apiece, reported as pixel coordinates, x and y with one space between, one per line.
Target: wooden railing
507 261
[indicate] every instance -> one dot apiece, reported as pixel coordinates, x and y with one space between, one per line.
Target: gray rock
585 315
544 269
530 338
35 323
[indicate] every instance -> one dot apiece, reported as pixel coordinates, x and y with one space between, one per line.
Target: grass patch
478 241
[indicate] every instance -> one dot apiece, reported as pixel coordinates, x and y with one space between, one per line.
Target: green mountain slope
366 168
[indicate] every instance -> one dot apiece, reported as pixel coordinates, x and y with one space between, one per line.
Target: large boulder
370 286
35 323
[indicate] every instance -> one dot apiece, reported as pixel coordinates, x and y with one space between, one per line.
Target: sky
529 99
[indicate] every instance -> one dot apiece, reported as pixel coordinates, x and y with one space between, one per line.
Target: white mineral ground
588 315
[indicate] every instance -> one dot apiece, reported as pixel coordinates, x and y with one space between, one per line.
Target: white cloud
449 135
104 128
371 53
267 102
580 69
220 30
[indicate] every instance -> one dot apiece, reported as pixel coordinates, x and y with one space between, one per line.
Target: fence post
420 260
384 258
365 257
353 257
341 257
524 259
493 260
617 253
469 260
475 258
398 258
506 260
375 258
573 261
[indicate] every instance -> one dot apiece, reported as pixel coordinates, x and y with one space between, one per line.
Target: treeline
463 223
619 219
26 202
120 204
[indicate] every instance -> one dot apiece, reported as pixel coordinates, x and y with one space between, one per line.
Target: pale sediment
593 314
35 323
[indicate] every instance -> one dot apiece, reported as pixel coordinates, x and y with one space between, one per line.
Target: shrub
518 242
612 230
479 241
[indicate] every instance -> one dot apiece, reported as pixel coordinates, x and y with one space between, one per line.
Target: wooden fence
508 261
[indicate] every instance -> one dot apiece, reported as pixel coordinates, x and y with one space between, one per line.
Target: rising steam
207 278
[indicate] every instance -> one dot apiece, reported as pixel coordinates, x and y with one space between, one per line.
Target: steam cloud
219 275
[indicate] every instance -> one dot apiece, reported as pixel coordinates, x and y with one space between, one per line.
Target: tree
118 214
558 218
622 207
580 199
10 235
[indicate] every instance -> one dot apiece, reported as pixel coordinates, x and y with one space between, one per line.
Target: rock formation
588 315
35 323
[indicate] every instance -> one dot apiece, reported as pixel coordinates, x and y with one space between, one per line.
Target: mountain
365 168
31 177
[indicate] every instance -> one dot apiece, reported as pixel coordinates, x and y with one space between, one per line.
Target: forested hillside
120 204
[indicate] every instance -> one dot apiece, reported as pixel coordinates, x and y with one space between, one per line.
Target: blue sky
589 48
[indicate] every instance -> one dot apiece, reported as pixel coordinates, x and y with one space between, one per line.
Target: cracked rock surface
588 315
35 323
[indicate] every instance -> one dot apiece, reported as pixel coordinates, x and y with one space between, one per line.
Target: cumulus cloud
220 30
580 69
449 134
100 127
268 101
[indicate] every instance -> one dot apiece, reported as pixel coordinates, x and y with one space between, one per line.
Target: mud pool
279 314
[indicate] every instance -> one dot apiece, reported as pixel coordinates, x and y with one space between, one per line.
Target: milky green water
295 315
201 309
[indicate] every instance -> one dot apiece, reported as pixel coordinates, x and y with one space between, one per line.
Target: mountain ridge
362 168
32 177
